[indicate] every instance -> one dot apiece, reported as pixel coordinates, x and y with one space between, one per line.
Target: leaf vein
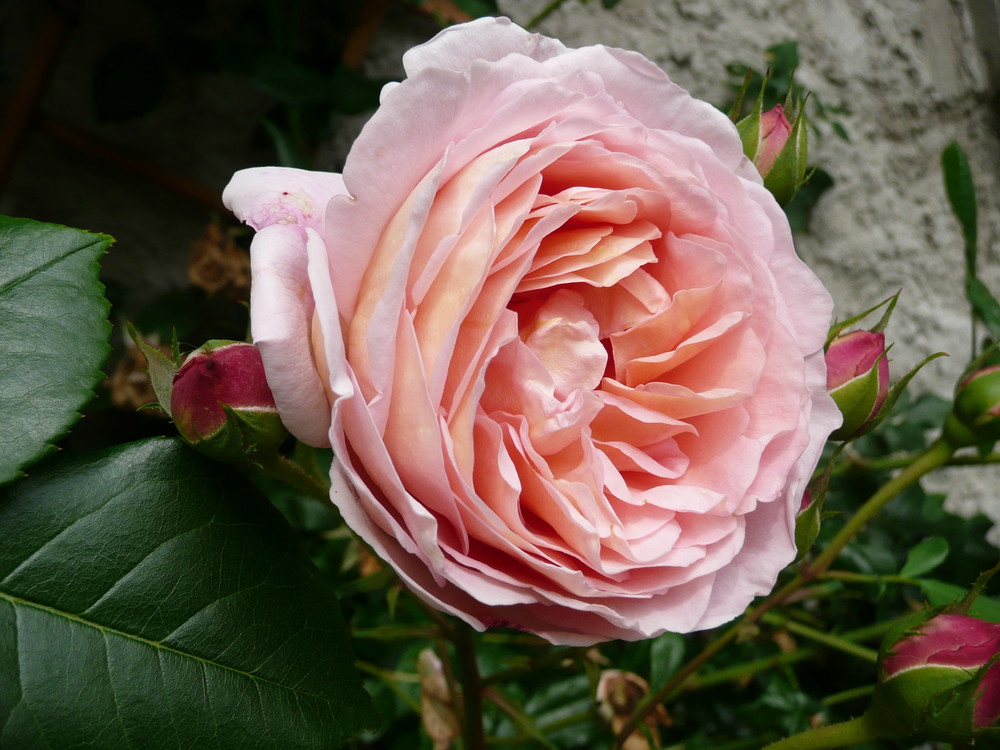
203 662
98 240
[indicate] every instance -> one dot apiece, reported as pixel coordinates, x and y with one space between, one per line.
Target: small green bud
975 416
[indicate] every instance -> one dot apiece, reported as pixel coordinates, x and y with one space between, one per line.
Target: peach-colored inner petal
569 358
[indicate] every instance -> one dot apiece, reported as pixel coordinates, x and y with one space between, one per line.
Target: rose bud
777 147
774 131
942 679
807 523
857 377
222 404
975 416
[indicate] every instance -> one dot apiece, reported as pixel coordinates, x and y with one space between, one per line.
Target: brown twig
361 36
83 142
23 103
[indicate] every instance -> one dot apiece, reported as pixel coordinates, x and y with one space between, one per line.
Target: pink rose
555 330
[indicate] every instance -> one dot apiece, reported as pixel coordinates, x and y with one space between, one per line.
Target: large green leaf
53 335
152 599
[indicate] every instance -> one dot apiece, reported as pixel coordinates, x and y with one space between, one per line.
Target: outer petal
281 315
490 39
283 204
277 195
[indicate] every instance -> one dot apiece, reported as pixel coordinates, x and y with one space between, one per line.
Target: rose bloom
555 330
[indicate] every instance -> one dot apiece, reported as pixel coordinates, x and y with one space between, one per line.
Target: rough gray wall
914 78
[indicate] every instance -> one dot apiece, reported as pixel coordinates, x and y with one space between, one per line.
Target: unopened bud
975 416
774 131
222 404
777 147
857 378
942 679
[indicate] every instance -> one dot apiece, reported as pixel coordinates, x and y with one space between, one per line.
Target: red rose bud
222 404
975 416
857 377
942 680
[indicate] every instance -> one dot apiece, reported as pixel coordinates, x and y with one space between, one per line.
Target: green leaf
53 335
151 599
962 196
925 557
666 654
984 304
939 593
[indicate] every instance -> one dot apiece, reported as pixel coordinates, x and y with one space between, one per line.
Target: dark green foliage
152 599
53 335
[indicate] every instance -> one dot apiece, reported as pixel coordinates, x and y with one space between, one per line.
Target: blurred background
129 118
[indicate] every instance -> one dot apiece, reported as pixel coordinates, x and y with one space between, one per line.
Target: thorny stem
843 734
935 456
827 639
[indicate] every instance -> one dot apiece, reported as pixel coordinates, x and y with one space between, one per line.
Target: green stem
472 690
848 695
392 681
844 734
554 657
651 700
827 639
739 672
517 716
285 470
934 457
854 461
850 576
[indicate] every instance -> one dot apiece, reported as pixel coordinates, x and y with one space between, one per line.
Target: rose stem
472 691
843 734
827 639
739 672
935 456
853 461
